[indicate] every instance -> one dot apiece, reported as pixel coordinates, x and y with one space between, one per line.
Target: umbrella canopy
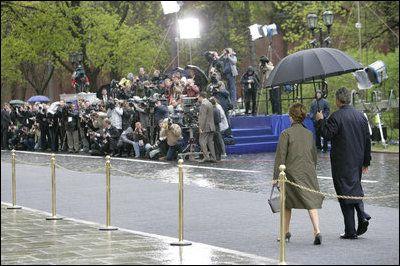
306 65
38 98
200 78
17 102
177 69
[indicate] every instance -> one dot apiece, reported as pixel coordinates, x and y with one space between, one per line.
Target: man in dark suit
206 128
348 130
5 123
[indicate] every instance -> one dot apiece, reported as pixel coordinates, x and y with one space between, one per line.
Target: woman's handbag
274 202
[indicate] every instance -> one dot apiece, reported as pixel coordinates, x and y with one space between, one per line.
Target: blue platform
257 134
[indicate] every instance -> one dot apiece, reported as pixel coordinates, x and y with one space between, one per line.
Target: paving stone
32 243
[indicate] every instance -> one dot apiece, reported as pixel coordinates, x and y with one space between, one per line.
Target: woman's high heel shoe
287 237
318 239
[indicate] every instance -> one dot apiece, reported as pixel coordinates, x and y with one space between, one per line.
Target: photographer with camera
72 130
80 82
217 89
172 133
114 113
54 117
266 68
104 141
140 140
142 75
206 128
191 89
156 78
250 83
230 72
5 124
214 63
161 112
128 114
84 118
41 119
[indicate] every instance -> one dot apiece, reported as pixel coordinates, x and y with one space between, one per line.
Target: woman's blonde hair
297 112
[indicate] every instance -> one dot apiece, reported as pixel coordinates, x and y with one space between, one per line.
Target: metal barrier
282 180
53 189
13 184
108 226
181 242
282 183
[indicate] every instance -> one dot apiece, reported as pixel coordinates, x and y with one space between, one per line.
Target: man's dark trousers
348 215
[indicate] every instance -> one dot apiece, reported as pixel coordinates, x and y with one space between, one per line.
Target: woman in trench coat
296 150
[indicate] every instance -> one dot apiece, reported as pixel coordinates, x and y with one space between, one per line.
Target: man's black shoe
362 227
344 236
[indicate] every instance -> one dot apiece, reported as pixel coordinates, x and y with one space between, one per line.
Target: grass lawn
390 148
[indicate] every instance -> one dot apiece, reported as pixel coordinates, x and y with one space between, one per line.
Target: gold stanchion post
53 189
282 178
181 242
13 184
108 226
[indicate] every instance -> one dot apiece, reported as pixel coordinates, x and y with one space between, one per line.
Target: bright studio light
170 7
189 28
255 32
270 30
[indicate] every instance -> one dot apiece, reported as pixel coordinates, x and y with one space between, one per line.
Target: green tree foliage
35 33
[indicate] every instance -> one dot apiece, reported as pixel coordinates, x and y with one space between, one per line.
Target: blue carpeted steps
257 134
252 135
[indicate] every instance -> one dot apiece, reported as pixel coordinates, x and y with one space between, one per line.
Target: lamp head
327 17
312 20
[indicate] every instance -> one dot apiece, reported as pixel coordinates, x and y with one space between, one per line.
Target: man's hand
319 116
275 182
365 170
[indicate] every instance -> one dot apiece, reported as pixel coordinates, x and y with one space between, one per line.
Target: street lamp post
312 22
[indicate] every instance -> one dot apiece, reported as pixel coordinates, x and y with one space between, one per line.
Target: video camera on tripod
190 112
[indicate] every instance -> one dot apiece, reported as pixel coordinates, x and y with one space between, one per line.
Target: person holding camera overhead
230 72
250 83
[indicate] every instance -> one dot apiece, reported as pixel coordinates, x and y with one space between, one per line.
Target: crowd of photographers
144 116
153 116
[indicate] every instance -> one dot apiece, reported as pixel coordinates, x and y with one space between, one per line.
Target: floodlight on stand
255 32
189 28
270 30
312 21
170 7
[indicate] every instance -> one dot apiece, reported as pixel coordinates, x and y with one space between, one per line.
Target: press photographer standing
206 128
217 89
317 105
230 72
5 123
250 83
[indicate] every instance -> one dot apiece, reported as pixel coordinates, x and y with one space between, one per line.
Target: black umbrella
200 78
175 70
306 65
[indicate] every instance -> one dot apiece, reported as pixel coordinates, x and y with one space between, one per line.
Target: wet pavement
27 238
225 204
249 173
